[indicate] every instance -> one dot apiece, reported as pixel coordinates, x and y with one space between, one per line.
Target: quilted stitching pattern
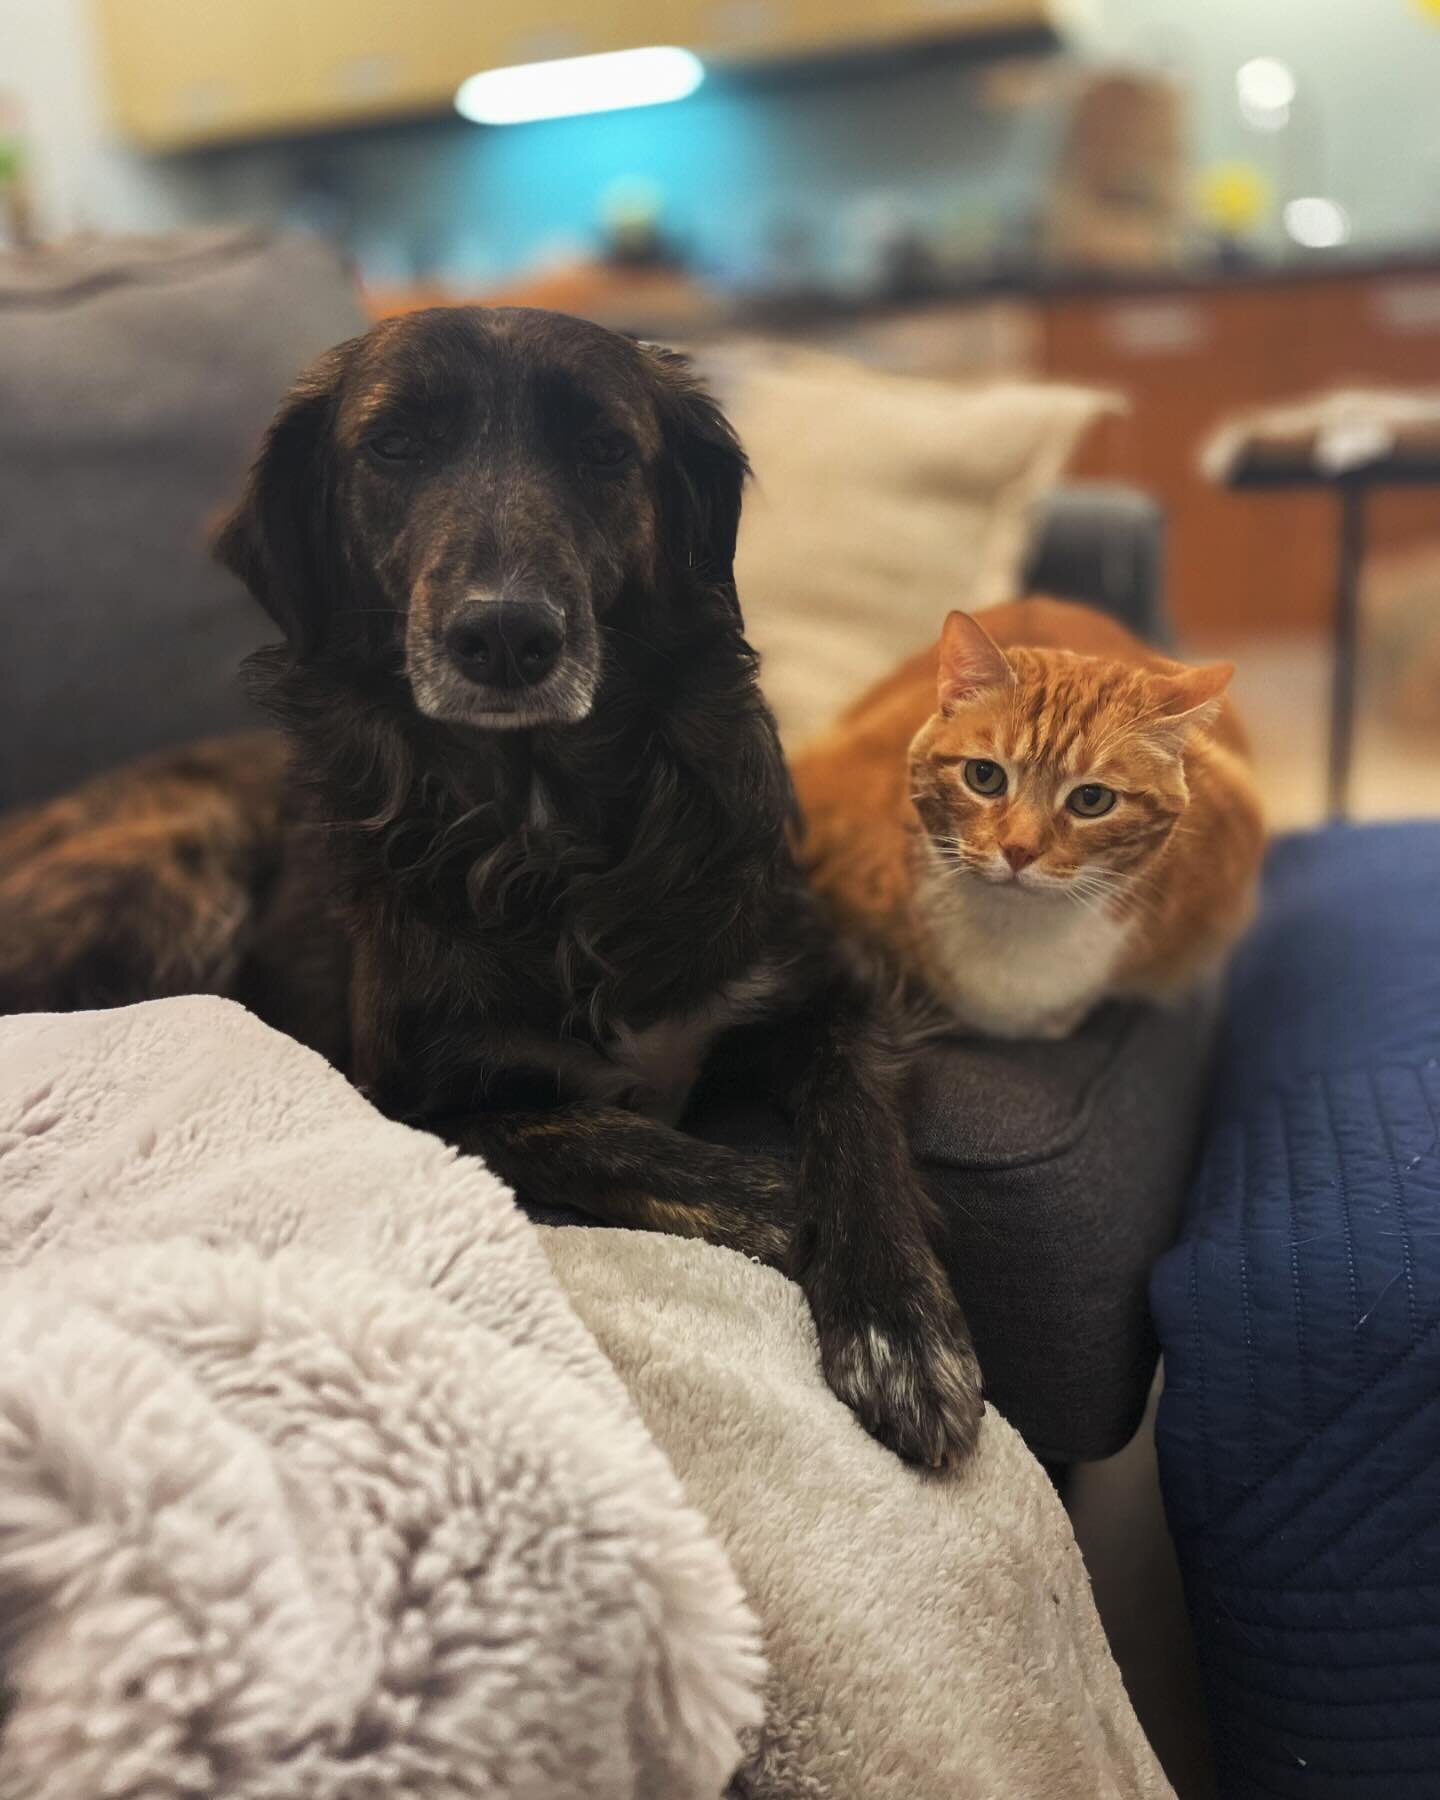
1300 1321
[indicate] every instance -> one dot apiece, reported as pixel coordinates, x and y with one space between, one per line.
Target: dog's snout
505 643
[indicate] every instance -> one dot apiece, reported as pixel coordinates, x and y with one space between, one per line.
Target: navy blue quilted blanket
1300 1321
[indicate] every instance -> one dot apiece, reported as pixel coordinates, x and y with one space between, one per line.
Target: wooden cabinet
758 29
181 73
1187 359
1184 362
171 74
375 57
1184 359
186 72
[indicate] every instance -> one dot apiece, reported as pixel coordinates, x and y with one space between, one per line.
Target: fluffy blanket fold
313 1484
930 1637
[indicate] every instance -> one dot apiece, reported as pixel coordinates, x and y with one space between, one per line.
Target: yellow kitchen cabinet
187 72
362 59
177 71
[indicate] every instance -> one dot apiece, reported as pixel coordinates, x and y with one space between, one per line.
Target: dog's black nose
505 643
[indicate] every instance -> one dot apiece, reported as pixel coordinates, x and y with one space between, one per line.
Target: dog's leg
624 1169
893 1341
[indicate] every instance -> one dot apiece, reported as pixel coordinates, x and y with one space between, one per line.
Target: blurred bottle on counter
632 226
969 240
886 250
1233 201
789 265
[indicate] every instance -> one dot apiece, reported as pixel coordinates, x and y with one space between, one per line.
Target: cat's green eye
1091 801
983 777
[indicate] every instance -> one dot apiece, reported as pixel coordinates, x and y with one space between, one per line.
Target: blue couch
1299 1315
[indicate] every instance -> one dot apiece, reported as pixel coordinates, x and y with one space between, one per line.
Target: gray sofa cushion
1059 1171
135 379
1103 543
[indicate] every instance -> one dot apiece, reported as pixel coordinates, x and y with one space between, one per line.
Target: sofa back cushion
135 380
880 501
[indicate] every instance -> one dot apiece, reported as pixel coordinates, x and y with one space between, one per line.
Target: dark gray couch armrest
1103 544
1058 1172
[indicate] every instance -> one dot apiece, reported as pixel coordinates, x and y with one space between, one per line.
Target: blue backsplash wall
821 158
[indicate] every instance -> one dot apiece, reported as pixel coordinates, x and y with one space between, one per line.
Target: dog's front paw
911 1379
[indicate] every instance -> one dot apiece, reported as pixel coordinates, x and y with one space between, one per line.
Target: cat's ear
970 661
1188 699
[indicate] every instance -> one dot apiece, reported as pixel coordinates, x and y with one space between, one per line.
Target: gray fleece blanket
312 1484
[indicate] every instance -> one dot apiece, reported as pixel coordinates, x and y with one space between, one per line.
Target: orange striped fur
1115 853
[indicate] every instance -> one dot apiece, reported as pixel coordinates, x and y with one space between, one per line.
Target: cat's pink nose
1019 856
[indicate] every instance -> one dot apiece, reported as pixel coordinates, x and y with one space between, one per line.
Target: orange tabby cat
1076 821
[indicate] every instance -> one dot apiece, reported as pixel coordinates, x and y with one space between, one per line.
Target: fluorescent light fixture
579 84
1317 223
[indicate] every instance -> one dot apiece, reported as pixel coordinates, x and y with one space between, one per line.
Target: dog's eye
607 450
396 447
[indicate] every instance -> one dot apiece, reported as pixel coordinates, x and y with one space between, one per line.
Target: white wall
81 179
1366 124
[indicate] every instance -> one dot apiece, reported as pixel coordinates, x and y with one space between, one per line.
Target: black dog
539 861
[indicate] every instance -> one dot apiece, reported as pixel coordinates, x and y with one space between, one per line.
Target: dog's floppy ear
704 473
275 539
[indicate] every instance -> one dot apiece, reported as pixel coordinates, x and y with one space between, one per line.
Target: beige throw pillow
879 502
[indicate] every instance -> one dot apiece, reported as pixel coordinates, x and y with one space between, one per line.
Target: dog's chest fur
1012 964
576 916
652 1069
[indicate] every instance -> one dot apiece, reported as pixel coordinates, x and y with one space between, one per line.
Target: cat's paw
911 1379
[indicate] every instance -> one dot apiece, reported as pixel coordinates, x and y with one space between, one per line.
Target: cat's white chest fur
1014 964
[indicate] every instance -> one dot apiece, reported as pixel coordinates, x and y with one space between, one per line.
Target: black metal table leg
1347 632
